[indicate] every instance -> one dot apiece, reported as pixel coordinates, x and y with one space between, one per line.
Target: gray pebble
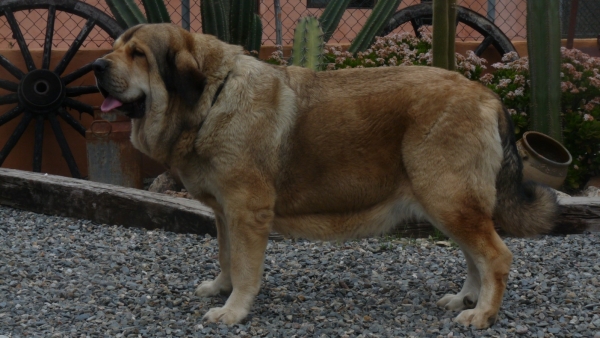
64 277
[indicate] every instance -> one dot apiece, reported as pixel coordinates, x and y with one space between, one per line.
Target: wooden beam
110 204
579 214
103 203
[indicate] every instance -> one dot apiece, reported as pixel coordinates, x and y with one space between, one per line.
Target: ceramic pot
545 160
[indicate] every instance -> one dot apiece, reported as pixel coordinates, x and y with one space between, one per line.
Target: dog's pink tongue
110 103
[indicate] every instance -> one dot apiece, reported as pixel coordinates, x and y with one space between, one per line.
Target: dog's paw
225 315
211 288
478 318
457 302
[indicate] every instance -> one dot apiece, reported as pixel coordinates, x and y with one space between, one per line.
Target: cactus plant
444 33
307 50
241 14
543 45
156 11
331 17
126 12
254 35
214 19
233 22
377 20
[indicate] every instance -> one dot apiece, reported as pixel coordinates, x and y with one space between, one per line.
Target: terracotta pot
545 160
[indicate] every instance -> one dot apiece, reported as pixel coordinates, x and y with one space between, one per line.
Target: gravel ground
62 277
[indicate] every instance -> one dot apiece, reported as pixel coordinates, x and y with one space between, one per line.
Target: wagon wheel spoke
37 148
64 146
422 15
483 45
416 24
64 62
4 84
9 98
16 72
16 135
14 26
79 106
49 35
71 121
11 114
77 74
81 90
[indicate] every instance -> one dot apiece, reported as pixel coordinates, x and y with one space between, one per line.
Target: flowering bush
580 106
580 75
392 50
400 50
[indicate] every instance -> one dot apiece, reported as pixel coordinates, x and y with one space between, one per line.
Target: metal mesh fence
587 23
509 15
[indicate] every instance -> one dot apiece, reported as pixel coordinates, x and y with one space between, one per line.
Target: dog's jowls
326 156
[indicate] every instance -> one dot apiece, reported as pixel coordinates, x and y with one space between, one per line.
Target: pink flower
595 81
504 83
487 78
589 106
510 56
519 79
588 117
499 65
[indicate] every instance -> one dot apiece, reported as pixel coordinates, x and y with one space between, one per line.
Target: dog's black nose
100 65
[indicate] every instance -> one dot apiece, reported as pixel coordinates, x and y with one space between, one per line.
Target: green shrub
580 106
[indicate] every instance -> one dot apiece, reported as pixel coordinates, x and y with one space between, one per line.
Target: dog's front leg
248 233
221 284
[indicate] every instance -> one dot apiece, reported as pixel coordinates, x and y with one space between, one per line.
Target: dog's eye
138 53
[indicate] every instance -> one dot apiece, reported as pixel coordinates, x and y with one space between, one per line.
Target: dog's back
383 141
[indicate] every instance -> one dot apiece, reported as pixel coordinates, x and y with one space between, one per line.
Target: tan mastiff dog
327 156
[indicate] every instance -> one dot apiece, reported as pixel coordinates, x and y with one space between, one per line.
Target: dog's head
150 65
163 78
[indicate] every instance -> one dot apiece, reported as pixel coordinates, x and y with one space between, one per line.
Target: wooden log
110 204
578 214
103 203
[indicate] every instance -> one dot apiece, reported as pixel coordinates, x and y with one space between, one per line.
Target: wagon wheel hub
41 91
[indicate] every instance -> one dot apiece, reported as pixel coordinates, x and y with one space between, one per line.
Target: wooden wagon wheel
42 93
422 15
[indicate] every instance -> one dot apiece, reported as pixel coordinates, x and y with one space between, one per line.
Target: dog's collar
214 100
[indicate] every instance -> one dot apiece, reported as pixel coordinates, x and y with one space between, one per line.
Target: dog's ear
182 76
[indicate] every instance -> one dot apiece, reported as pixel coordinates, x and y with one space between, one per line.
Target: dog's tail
522 208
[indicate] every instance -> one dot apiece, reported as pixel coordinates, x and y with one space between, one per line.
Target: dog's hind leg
468 295
492 259
464 213
221 284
